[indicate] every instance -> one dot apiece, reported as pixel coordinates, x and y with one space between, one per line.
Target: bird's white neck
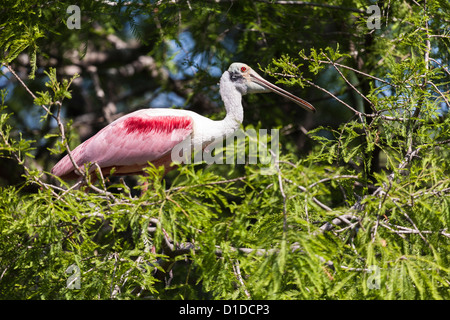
213 130
232 100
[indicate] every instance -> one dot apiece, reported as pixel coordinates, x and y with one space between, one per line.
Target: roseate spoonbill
149 135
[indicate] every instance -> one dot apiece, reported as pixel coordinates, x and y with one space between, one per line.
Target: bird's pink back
135 139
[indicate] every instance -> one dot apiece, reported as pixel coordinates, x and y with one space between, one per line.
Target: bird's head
248 81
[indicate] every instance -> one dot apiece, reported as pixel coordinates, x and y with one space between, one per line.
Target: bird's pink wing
134 139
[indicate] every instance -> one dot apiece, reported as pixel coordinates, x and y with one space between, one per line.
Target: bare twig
61 128
237 273
25 86
354 70
208 184
401 230
345 218
314 199
280 183
334 96
440 93
332 178
35 180
351 85
406 161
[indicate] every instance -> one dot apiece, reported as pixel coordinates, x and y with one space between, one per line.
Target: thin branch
356 269
351 85
332 178
61 128
406 161
314 199
208 184
440 93
354 70
35 180
405 230
280 183
433 193
237 273
377 114
334 96
414 225
440 64
25 86
66 144
108 194
345 218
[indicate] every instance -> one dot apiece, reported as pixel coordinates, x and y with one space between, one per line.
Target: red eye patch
243 69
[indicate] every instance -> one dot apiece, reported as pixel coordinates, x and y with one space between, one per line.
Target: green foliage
361 213
60 90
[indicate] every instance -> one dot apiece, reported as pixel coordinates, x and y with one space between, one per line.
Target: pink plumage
129 143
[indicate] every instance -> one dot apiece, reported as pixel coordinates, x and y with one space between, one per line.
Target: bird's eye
243 69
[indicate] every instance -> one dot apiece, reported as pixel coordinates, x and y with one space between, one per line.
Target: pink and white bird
149 135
